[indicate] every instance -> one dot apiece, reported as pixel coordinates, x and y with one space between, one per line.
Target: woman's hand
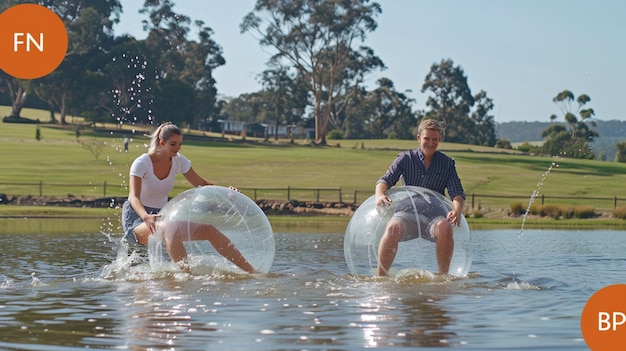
150 220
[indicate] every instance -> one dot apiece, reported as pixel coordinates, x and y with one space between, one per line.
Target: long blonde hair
163 132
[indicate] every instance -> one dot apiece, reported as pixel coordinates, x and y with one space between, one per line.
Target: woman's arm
135 201
195 179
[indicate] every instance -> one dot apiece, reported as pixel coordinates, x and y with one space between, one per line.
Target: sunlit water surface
74 290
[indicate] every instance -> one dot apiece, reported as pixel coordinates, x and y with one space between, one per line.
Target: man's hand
454 218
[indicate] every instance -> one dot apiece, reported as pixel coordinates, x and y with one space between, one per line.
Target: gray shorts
130 220
419 217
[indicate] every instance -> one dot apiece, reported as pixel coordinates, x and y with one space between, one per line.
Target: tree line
316 76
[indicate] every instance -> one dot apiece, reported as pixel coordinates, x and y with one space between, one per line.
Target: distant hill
611 132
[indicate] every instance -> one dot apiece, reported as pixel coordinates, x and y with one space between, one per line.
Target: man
428 168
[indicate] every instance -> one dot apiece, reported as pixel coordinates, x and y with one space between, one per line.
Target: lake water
65 289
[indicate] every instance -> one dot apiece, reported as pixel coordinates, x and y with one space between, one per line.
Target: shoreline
23 207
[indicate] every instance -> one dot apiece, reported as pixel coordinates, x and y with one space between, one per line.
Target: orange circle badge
33 41
603 321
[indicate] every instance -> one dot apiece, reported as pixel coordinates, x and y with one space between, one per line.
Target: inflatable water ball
213 228
367 226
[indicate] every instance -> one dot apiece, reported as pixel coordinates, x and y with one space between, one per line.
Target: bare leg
388 246
444 246
220 242
142 233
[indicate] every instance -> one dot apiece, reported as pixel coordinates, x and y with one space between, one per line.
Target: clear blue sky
521 52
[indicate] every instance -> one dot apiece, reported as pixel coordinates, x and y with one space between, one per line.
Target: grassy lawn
354 166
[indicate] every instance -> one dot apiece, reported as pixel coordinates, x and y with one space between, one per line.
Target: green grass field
495 177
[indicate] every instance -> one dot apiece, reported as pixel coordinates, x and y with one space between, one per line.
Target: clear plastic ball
190 215
368 223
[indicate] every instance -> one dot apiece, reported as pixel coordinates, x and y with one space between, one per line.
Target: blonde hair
163 132
430 124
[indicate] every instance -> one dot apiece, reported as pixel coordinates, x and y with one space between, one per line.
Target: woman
152 177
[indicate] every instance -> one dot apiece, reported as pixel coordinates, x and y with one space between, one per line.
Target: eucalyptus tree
484 128
175 101
16 89
248 107
351 112
351 92
318 38
89 26
451 100
620 155
177 57
120 83
285 96
571 139
390 114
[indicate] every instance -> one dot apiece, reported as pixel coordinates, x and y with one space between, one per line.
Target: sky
521 52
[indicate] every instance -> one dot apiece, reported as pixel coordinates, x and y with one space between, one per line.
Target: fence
319 194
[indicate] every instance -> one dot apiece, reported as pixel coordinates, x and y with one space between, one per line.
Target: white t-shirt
154 191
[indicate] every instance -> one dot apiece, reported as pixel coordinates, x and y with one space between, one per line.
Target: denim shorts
419 217
130 220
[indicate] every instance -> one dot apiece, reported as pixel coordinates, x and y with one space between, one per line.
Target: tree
620 156
572 138
175 102
245 107
484 132
285 96
317 37
17 90
175 56
451 100
503 143
90 29
350 114
120 83
390 114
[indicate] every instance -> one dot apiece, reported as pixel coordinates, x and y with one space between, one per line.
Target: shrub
477 212
552 211
568 211
583 212
517 208
334 134
619 212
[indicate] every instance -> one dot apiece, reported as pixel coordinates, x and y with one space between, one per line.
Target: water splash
35 281
132 91
534 195
518 285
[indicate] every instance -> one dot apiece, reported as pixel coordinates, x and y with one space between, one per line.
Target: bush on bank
556 211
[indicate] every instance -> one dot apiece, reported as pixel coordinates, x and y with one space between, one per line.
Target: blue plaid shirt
409 166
